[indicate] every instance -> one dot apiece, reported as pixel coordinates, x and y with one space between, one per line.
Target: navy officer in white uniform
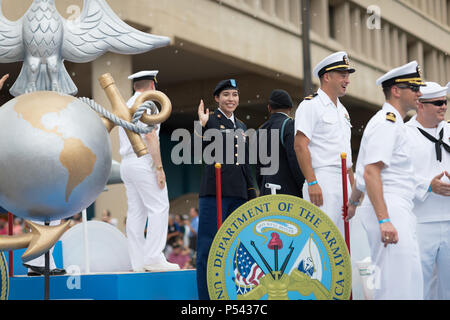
429 136
146 190
322 133
385 172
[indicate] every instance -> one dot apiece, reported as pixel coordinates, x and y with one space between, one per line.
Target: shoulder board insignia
311 96
391 117
448 121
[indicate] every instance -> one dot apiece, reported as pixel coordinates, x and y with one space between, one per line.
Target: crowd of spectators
182 239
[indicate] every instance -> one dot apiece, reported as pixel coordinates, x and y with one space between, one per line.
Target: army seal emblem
4 278
279 247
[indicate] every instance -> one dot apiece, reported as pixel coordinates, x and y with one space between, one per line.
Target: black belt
437 143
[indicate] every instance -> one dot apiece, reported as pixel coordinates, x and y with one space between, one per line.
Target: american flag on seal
246 271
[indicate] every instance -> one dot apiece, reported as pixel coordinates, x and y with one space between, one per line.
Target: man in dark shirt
288 176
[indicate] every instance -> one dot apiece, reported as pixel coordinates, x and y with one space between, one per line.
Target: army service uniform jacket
236 177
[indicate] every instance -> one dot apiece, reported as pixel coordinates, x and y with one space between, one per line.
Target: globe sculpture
55 156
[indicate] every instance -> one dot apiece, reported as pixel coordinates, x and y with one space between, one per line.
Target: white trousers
397 268
146 202
40 261
434 244
330 181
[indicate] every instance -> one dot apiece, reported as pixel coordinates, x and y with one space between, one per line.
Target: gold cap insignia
346 60
419 71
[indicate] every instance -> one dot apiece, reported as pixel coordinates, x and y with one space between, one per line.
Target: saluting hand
440 187
3 80
202 116
315 195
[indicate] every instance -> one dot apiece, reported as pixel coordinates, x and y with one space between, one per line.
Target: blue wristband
312 183
429 189
384 221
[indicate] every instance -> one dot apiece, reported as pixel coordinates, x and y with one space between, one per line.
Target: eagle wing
98 30
11 44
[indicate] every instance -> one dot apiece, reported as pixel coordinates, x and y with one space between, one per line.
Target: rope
4 283
134 126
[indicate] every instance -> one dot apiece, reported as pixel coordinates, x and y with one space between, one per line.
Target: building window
332 21
448 12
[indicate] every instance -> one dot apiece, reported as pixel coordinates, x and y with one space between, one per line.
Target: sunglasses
412 87
437 103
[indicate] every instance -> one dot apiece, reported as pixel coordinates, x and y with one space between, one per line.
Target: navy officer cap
225 85
144 75
280 99
409 74
337 61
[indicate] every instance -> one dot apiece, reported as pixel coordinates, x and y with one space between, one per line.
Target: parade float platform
172 285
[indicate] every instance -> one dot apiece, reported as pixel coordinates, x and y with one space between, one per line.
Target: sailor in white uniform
429 136
384 171
323 132
146 190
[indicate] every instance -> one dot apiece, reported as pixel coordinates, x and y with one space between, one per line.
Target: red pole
218 166
345 201
345 198
10 253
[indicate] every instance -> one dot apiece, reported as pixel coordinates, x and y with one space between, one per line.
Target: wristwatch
160 167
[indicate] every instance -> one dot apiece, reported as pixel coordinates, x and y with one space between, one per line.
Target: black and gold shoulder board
391 117
311 96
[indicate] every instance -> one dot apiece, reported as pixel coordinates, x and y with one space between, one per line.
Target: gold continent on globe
56 156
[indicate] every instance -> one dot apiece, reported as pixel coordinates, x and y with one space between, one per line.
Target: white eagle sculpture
42 39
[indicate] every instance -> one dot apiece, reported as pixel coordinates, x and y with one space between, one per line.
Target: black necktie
437 143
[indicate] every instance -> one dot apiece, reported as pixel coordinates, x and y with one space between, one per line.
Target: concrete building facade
259 43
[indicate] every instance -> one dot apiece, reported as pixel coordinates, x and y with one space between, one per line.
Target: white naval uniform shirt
328 128
126 150
386 141
429 206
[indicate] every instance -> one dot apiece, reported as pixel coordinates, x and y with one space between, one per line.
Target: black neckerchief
437 143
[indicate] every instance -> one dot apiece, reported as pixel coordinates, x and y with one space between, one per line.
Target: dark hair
142 84
387 92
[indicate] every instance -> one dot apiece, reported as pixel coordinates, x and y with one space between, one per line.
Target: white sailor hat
144 75
434 90
335 61
409 74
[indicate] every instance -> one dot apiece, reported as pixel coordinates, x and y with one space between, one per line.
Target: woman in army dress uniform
237 184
